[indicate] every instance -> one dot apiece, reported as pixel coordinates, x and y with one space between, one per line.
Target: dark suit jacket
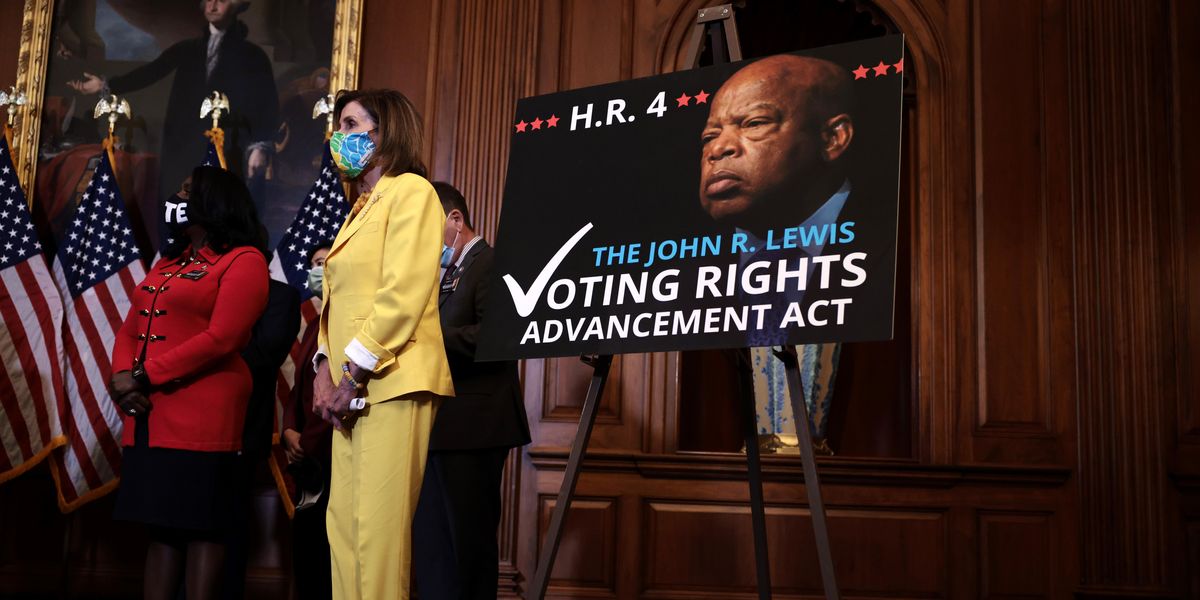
270 341
488 410
875 235
872 300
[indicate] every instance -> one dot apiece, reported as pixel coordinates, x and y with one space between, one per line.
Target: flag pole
215 104
112 107
12 99
324 106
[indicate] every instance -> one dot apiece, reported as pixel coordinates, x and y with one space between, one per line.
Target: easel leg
566 491
811 484
758 514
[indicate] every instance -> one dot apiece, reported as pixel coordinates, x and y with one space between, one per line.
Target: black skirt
176 489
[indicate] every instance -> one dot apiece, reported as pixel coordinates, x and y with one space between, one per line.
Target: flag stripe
7 463
129 279
82 392
30 311
26 384
309 310
99 333
99 369
16 446
37 283
106 304
29 348
20 364
93 379
80 471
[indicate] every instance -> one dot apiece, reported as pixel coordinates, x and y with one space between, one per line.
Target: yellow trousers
375 481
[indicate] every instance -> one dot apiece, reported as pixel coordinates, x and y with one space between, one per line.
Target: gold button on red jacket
188 321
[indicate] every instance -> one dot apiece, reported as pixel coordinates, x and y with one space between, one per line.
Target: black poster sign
745 204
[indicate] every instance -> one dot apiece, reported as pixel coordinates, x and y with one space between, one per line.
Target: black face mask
175 214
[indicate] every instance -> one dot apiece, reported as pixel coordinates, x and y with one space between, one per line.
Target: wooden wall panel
587 555
1120 200
1023 259
483 58
595 41
395 48
567 385
621 420
1013 216
1185 22
1016 555
691 546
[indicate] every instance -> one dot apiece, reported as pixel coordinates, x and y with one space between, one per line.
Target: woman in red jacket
183 386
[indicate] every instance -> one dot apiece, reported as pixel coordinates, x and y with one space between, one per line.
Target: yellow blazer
381 288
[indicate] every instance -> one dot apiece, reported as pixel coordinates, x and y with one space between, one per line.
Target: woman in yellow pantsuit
381 365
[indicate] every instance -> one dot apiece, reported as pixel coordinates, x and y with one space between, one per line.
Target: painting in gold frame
68 46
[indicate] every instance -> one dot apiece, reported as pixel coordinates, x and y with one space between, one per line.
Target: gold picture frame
34 55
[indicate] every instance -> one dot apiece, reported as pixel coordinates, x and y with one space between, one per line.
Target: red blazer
192 317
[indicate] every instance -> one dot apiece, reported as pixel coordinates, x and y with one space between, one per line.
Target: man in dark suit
455 552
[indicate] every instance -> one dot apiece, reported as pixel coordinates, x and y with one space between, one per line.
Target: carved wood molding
510 493
720 466
347 31
31 77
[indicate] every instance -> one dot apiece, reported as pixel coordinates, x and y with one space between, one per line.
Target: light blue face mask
316 277
351 151
448 253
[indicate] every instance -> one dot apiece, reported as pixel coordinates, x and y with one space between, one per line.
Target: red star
683 100
881 69
537 123
521 126
899 66
860 72
702 98
552 121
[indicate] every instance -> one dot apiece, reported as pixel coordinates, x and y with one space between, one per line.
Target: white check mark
525 301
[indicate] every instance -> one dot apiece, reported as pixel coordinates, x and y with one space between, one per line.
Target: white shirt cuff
362 357
322 354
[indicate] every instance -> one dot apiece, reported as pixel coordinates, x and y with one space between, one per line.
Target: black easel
726 47
812 485
566 491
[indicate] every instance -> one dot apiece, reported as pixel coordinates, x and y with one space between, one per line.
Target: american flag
97 267
30 342
320 217
211 158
